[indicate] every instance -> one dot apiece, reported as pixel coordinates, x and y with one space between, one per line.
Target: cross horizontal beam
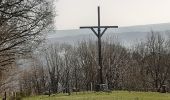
98 27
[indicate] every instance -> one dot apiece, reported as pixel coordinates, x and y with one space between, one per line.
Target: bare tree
152 58
87 55
53 65
155 59
21 23
33 79
115 62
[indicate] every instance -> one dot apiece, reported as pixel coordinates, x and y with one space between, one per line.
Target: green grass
115 95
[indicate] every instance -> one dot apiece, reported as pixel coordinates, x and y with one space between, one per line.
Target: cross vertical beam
99 34
99 50
98 20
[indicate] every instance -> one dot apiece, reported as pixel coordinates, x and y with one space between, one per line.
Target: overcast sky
75 13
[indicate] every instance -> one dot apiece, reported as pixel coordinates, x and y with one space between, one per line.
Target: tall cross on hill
99 34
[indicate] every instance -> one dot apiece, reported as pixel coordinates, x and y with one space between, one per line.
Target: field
115 95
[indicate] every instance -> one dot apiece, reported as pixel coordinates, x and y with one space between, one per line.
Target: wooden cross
99 34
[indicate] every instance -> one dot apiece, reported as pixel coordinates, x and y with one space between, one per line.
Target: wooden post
4 98
91 86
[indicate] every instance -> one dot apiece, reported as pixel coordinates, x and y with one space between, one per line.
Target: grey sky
75 13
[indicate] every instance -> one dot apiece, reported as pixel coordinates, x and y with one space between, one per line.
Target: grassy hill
115 95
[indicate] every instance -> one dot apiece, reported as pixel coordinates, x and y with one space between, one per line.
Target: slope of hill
127 35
